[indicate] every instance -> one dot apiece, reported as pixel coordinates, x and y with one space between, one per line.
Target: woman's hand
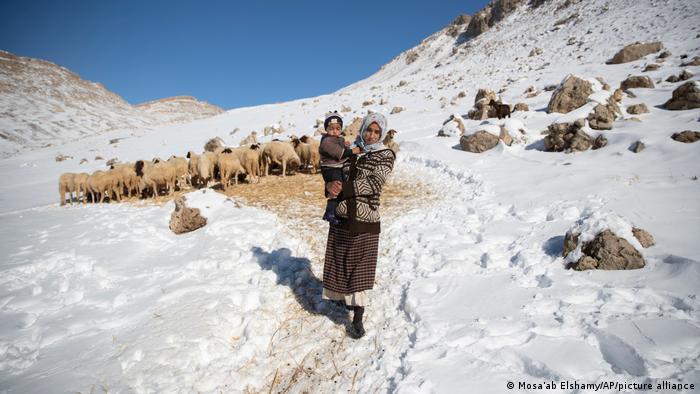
334 188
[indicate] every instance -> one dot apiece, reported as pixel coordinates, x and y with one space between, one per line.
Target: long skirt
349 266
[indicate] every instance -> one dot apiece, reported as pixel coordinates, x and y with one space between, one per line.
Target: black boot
356 330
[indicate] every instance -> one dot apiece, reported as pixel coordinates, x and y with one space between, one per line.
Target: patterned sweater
359 204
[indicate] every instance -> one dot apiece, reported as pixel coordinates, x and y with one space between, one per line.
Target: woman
351 250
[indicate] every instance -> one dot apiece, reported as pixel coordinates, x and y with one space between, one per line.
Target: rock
185 219
350 131
673 79
599 142
694 62
403 83
505 136
686 136
686 96
111 161
570 242
535 51
98 158
114 140
501 8
637 109
396 110
549 88
637 147
62 157
637 81
602 82
685 75
651 67
213 144
634 119
367 102
643 237
456 26
83 160
452 126
617 95
607 251
480 22
571 94
635 51
521 107
566 137
603 116
485 94
411 56
345 108
478 142
664 54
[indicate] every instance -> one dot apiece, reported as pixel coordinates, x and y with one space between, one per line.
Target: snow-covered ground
472 290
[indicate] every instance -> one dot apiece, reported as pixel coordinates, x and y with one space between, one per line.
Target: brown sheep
389 141
502 110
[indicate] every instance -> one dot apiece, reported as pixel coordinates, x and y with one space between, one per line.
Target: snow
471 291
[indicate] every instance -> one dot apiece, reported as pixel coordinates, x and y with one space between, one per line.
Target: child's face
334 129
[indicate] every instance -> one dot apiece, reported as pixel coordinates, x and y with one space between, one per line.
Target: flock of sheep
217 163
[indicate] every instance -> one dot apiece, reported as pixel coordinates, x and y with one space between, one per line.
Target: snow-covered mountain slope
44 104
472 291
179 109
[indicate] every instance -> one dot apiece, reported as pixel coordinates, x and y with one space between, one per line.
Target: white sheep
315 153
205 167
156 175
229 165
66 185
181 171
126 177
281 153
103 184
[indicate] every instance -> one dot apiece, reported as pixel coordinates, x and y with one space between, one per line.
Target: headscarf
380 120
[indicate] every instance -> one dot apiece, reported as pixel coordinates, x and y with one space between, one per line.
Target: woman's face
372 133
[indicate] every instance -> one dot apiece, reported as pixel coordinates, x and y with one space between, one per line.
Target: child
334 151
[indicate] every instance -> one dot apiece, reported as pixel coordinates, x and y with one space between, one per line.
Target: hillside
472 289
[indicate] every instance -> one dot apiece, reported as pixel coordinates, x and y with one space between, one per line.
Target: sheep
205 167
389 141
80 183
66 185
315 153
502 110
306 153
250 159
193 168
229 165
156 175
181 169
103 183
126 177
282 153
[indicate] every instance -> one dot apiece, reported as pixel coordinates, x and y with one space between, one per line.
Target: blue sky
228 53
